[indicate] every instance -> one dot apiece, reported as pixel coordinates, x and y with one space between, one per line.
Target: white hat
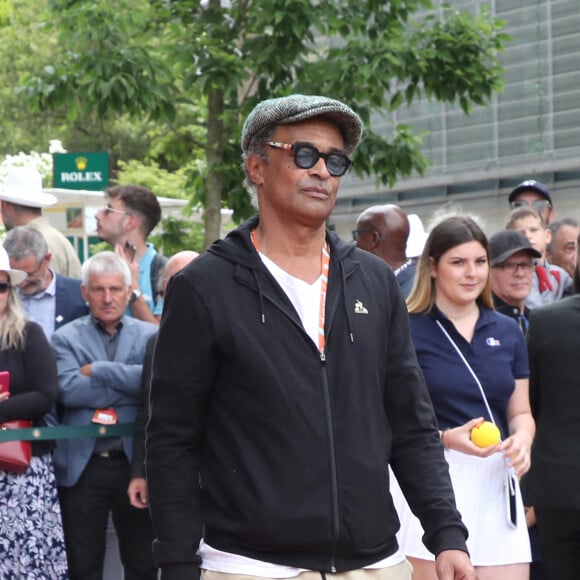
16 276
417 236
23 185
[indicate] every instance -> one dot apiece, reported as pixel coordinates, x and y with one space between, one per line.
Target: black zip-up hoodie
273 451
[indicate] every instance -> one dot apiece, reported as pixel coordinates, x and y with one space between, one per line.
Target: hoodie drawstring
349 320
260 297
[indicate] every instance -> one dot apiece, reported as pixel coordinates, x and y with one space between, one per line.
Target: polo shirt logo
493 341
359 308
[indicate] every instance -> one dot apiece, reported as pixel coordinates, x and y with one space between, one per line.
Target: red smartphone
5 382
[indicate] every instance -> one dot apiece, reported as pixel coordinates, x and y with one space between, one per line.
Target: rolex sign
81 170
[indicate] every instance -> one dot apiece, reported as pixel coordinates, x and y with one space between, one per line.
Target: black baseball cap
506 243
531 185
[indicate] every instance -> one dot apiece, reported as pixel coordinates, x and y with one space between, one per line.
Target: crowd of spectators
284 383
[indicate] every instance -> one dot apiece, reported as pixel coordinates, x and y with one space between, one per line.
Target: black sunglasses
4 287
306 156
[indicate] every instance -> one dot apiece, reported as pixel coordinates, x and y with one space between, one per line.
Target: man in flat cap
284 381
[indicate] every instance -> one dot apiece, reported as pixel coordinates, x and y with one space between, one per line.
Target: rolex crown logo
81 163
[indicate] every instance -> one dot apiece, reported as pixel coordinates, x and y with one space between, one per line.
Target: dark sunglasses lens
4 287
305 156
337 164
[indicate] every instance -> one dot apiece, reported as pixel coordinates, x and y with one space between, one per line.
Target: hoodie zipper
333 468
329 421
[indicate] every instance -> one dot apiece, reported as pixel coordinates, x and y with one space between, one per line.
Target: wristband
442 435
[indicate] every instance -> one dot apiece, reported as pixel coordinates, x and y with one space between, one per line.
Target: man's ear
255 167
133 222
84 293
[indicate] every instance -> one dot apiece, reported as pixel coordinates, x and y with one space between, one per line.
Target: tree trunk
215 156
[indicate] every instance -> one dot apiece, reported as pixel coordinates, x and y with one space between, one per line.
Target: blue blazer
112 384
69 302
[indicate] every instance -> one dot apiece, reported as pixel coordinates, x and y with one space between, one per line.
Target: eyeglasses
108 209
539 204
356 233
4 287
307 156
513 267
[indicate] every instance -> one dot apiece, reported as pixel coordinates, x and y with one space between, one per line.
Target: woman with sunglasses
475 365
31 534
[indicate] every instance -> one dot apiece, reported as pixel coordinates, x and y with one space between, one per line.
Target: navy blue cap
531 185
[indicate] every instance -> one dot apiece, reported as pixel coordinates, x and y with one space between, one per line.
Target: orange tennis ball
485 434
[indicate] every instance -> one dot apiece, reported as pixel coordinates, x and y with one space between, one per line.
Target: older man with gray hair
48 298
284 382
562 249
99 360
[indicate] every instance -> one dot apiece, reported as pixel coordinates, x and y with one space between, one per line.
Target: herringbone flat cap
296 108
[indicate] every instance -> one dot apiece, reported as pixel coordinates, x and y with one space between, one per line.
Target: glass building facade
531 130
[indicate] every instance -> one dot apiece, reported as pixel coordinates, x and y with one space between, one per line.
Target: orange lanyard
325 267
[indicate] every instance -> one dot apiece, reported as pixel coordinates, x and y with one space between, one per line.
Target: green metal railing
66 432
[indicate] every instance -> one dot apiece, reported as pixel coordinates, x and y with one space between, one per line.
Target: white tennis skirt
478 484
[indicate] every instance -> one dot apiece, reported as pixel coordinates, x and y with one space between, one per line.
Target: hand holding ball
485 434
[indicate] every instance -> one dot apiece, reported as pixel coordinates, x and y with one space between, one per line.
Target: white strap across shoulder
469 369
510 481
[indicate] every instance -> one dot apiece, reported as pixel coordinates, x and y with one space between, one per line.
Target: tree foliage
103 70
204 65
23 40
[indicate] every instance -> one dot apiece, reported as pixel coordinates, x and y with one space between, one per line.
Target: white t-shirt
304 297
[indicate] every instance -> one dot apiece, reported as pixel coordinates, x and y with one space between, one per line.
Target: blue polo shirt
145 283
497 354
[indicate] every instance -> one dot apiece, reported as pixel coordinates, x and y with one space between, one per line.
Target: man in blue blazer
100 358
48 298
